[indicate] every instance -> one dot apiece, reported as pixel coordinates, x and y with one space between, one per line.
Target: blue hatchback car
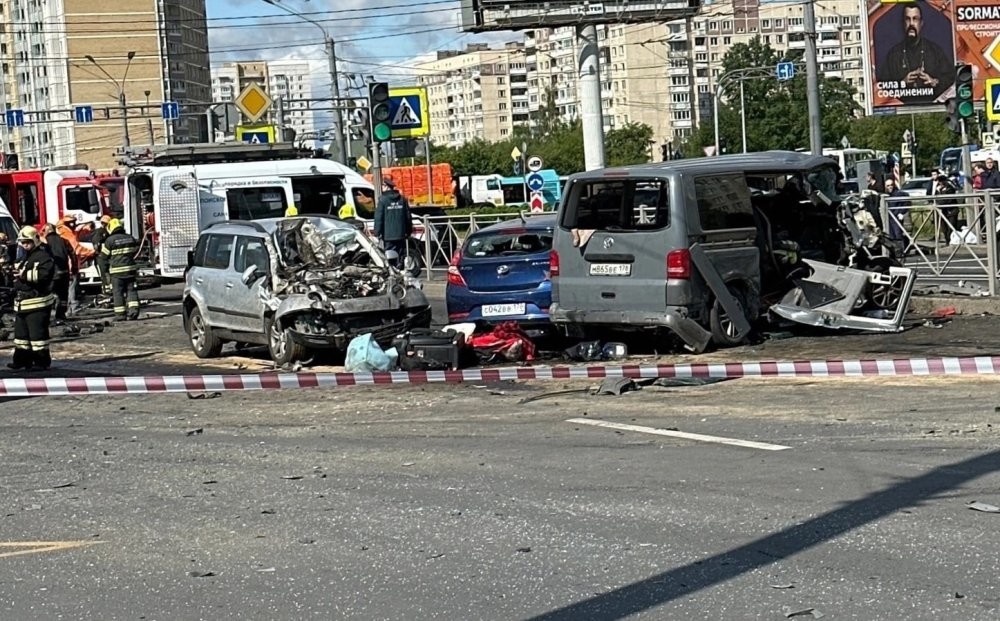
501 273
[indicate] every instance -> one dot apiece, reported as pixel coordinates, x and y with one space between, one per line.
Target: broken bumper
694 336
383 333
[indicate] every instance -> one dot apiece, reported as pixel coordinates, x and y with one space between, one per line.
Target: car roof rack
210 153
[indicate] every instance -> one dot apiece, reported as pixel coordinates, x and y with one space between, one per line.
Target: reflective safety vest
34 288
120 249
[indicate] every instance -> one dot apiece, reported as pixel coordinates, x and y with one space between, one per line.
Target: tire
203 341
282 347
414 259
723 330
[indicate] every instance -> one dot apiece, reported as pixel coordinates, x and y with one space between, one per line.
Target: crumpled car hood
336 270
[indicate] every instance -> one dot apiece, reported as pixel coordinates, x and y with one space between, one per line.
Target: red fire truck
35 197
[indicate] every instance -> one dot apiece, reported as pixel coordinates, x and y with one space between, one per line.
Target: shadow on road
693 577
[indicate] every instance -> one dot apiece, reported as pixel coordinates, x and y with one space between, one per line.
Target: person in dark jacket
990 176
64 259
897 209
120 249
33 301
393 222
97 239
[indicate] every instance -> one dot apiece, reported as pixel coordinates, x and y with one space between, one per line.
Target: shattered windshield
314 241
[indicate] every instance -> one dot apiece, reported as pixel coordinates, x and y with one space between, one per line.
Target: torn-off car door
841 297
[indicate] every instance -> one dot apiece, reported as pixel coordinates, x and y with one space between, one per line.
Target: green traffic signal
382 132
964 105
378 104
966 109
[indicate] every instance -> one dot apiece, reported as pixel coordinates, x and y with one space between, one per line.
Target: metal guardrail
449 234
948 238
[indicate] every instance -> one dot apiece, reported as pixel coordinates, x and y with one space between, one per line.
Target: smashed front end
331 284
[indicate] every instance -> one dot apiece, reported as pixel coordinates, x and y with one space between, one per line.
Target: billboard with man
912 55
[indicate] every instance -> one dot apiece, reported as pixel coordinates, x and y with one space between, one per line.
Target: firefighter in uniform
120 249
97 240
34 278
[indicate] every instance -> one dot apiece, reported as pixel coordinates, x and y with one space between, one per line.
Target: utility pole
590 97
812 79
338 117
331 53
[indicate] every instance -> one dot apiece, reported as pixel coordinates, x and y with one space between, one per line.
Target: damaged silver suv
295 285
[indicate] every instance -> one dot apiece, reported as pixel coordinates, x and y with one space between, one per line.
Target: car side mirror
250 275
190 263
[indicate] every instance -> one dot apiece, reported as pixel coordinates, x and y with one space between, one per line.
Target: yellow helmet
28 233
113 224
347 212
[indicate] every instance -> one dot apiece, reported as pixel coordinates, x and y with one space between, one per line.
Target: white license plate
500 310
610 269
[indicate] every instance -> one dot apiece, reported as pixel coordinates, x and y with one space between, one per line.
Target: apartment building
287 82
480 93
58 54
663 75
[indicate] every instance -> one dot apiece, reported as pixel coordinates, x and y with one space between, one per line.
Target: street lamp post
121 93
331 52
738 75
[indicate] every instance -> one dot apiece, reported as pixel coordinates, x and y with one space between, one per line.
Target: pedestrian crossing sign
408 113
993 99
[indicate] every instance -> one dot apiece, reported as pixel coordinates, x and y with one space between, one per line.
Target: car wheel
203 341
413 262
284 350
723 328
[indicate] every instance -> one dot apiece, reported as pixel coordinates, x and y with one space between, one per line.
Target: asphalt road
463 503
850 497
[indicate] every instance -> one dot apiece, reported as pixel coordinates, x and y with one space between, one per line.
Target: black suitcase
431 350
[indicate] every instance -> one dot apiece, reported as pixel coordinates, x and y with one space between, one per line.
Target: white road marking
679 434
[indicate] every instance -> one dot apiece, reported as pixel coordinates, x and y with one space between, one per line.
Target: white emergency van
173 193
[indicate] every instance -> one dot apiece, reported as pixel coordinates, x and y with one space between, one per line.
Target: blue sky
405 30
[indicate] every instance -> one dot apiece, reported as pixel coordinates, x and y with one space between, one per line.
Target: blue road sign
785 71
261 137
15 118
83 114
171 110
535 182
405 112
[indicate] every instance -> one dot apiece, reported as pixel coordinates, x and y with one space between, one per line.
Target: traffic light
378 109
664 152
954 123
11 162
964 106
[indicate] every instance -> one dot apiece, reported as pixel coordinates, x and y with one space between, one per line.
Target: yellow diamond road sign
253 102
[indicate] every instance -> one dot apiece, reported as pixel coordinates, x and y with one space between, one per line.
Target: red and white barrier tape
61 386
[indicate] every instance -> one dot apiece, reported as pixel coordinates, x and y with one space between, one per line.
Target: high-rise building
59 54
287 82
663 75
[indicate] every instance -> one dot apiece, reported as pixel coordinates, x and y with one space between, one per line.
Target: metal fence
948 238
447 234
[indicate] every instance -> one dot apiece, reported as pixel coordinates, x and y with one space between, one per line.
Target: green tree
776 111
885 133
628 145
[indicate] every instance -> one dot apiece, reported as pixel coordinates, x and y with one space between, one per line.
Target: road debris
616 386
783 586
805 612
204 395
984 507
201 574
194 432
